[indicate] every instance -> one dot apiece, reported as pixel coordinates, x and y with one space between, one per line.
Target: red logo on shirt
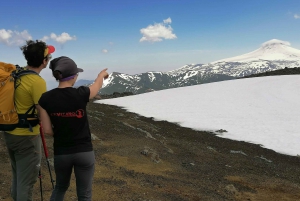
79 114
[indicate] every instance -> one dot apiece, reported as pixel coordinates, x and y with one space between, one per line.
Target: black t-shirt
66 108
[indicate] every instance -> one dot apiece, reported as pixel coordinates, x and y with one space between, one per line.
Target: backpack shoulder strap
20 71
33 120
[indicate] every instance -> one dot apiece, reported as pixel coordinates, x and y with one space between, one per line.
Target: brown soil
140 159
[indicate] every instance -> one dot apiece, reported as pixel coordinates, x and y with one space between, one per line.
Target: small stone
231 189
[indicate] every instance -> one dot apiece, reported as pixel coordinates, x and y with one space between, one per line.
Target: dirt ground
139 159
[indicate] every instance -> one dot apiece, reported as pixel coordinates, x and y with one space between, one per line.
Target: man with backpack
24 142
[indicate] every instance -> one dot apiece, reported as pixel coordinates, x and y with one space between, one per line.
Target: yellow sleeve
38 88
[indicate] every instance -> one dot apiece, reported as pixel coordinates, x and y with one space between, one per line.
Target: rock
152 154
94 137
221 131
231 189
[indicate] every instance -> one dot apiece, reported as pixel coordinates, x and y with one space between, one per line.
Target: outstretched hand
104 74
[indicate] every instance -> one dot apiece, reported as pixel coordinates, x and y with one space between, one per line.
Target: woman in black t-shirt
63 115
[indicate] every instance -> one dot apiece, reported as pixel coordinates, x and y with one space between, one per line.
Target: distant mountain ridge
272 55
153 81
84 82
241 69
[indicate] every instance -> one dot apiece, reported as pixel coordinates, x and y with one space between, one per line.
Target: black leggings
84 166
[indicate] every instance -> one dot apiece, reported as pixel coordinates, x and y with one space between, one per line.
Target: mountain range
272 55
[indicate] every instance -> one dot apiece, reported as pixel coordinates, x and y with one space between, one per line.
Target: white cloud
296 16
45 38
64 37
5 35
158 32
105 51
14 38
168 21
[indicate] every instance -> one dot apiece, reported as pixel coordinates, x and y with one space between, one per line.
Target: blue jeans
84 166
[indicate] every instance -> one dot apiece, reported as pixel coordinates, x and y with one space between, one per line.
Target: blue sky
135 36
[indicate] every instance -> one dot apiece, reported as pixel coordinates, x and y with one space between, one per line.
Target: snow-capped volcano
272 55
271 50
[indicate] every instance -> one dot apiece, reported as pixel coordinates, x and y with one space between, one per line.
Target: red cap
49 50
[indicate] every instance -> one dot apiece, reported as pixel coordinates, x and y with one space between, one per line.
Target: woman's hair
57 74
34 52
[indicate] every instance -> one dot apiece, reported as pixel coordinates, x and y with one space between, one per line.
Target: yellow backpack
9 118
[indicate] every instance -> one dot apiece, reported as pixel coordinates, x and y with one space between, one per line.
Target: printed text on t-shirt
79 114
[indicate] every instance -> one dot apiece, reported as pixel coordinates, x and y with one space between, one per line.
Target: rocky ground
139 159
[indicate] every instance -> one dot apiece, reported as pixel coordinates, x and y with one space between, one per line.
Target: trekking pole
41 186
46 154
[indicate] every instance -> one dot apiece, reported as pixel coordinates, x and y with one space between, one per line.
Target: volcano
274 49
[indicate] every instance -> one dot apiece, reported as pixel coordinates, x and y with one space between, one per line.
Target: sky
257 110
136 36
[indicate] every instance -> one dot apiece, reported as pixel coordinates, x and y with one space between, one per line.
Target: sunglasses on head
49 56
